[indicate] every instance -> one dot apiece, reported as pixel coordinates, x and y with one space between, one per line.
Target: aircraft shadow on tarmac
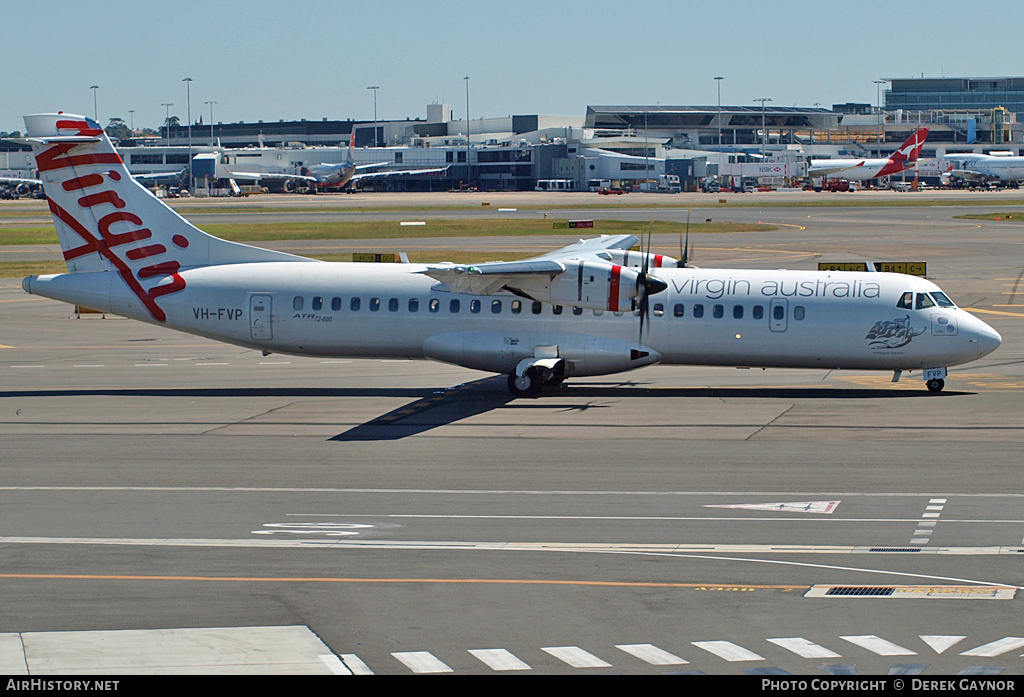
433 408
445 407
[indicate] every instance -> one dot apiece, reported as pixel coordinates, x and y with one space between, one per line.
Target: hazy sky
312 59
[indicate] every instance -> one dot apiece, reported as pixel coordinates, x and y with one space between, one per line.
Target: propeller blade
684 251
647 285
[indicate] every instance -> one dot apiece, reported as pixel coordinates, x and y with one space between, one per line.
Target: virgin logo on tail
100 205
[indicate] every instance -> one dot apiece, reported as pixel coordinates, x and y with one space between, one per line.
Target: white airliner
565 314
975 167
335 175
862 169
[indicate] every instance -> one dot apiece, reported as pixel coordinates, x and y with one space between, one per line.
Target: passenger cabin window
737 312
698 311
758 312
924 301
336 304
778 312
717 311
453 306
495 307
414 305
659 309
517 307
798 312
393 305
297 302
557 309
374 304
353 304
318 303
536 307
577 310
434 305
474 306
679 310
906 301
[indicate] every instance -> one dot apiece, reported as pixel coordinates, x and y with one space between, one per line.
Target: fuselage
332 175
803 319
984 166
858 170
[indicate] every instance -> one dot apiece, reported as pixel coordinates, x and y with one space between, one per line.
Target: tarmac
174 505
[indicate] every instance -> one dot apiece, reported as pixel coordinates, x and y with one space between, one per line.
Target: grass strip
391 229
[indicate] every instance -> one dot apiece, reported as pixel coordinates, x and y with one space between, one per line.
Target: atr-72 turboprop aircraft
564 314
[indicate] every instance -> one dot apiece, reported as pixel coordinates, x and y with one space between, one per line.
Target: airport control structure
609 149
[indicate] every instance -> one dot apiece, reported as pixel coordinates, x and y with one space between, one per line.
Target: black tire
526 385
936 385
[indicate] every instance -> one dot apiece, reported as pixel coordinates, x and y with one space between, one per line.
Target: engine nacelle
589 284
635 260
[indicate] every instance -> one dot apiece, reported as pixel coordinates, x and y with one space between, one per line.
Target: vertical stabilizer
106 221
910 151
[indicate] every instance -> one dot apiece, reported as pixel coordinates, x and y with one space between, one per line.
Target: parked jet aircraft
564 314
862 169
16 187
334 176
156 176
967 168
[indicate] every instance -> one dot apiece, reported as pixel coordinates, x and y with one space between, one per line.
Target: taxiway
393 517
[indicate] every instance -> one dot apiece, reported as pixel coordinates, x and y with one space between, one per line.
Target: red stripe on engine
613 289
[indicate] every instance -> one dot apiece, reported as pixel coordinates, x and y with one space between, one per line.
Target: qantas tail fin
107 221
911 149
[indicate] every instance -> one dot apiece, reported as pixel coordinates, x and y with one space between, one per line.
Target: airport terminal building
611 146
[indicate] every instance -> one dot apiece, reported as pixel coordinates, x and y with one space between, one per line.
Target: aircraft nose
988 340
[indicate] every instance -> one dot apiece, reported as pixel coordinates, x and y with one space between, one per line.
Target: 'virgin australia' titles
717 288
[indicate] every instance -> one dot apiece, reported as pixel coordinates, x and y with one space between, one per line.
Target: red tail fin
911 148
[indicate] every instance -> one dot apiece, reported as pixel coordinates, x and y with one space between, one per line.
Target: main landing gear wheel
936 385
526 385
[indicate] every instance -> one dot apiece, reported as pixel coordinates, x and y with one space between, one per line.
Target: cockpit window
941 300
924 302
906 301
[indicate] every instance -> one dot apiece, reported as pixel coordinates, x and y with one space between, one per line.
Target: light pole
167 120
374 88
131 118
764 133
188 111
878 99
95 112
718 80
211 103
469 167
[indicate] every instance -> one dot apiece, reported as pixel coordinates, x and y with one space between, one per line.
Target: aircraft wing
492 276
375 164
394 173
971 174
823 169
271 175
160 175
